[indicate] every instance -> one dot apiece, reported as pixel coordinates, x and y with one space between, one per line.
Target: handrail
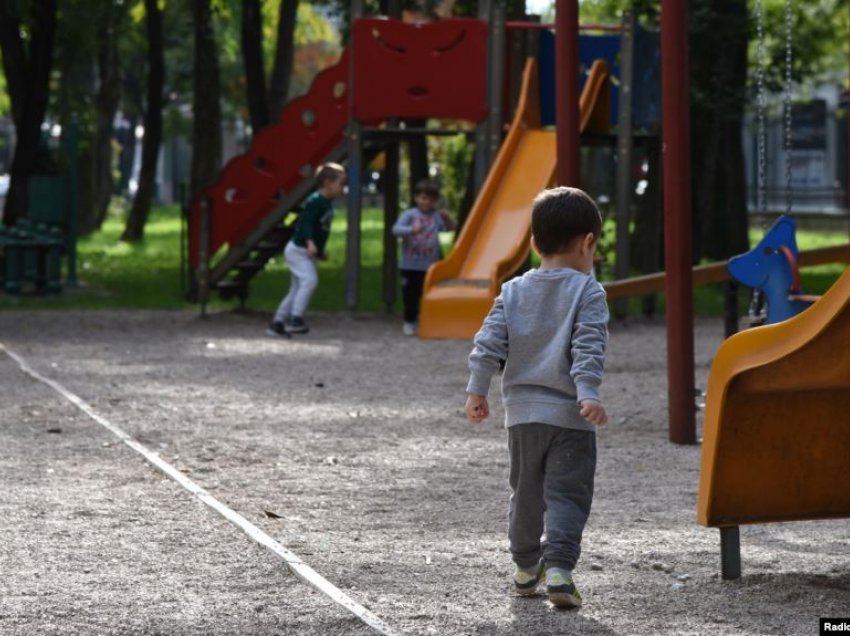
518 24
716 273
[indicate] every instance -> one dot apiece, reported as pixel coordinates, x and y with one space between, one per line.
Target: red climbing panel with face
436 69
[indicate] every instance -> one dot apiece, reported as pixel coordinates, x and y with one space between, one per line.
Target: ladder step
279 233
265 245
248 266
231 288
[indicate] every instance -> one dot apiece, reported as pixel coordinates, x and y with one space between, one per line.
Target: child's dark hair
327 173
427 187
560 215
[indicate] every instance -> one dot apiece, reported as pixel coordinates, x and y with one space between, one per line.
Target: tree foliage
722 46
100 71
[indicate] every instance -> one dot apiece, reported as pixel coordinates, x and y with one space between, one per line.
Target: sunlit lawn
114 274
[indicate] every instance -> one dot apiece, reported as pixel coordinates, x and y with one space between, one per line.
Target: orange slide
494 242
776 444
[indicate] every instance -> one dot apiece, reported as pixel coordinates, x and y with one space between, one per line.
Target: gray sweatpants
305 278
551 481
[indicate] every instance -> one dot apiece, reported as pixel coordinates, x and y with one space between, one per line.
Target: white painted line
298 567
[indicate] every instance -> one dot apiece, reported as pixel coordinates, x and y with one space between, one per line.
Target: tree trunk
27 79
469 193
86 222
135 229
106 104
284 54
206 124
719 39
252 58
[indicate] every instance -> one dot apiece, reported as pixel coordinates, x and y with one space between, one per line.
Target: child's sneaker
561 589
526 580
277 329
409 329
297 325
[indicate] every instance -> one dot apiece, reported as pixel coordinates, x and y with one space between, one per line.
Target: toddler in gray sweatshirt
550 328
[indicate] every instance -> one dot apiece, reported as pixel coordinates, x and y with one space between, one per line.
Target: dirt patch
353 438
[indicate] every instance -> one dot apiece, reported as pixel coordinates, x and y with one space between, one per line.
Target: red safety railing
280 156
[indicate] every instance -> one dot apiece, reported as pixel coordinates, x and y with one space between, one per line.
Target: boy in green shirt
306 245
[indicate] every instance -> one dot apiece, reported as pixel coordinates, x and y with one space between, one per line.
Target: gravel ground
349 447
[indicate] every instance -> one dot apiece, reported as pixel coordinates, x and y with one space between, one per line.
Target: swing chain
761 108
787 102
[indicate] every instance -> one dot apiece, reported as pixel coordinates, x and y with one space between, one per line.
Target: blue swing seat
771 267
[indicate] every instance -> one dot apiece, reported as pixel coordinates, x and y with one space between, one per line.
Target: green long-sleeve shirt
314 223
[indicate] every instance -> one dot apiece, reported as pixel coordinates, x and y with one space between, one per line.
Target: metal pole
391 196
730 308
677 221
482 131
515 63
391 209
497 79
72 208
203 272
355 203
730 553
355 180
567 93
624 157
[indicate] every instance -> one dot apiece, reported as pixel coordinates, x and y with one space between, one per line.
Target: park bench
31 250
31 255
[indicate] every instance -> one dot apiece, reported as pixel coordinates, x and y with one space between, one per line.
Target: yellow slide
776 444
494 242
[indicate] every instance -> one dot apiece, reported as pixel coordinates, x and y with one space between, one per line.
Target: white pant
303 284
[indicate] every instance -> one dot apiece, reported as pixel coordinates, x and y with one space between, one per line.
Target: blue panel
646 108
646 96
591 48
546 72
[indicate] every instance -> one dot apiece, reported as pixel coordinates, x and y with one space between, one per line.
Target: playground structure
494 243
450 69
247 207
776 440
244 219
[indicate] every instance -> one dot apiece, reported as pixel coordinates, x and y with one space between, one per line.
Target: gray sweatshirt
551 328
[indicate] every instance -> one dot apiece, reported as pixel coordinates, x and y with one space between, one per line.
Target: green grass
147 275
269 286
709 301
114 274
